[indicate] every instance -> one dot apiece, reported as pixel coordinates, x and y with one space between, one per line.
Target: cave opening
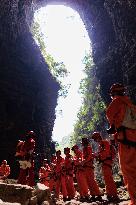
66 39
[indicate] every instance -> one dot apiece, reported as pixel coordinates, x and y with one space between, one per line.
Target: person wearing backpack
121 114
105 157
44 173
80 174
69 167
88 165
4 170
60 177
24 154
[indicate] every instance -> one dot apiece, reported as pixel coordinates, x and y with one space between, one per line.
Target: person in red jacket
4 170
105 158
80 174
26 175
89 170
44 173
60 176
20 157
69 173
125 133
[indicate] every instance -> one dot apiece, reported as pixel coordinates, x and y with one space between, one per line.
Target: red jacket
59 166
78 160
104 151
88 156
44 172
69 164
115 115
4 170
29 146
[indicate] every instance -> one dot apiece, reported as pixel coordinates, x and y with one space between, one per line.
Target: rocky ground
123 195
74 202
14 194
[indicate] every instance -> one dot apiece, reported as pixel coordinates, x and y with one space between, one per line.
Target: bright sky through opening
67 40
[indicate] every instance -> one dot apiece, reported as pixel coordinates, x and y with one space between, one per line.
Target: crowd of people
62 171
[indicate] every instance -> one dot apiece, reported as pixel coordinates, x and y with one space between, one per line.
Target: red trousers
70 186
51 184
30 178
82 183
110 185
61 184
26 176
22 177
92 184
128 166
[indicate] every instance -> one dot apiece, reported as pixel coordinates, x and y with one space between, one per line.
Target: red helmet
96 135
117 87
74 147
66 150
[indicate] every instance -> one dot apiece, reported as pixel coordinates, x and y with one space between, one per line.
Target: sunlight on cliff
67 40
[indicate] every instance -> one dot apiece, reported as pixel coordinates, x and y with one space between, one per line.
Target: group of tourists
61 172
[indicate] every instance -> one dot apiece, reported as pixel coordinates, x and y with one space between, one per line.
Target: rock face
24 195
16 194
28 91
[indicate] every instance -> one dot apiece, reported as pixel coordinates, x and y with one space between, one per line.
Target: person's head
66 150
96 136
4 162
117 89
74 148
53 158
58 153
19 143
85 141
45 162
30 134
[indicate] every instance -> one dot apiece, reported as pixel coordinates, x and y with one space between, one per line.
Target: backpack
129 120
